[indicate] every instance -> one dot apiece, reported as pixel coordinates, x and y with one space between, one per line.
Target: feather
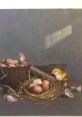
22 56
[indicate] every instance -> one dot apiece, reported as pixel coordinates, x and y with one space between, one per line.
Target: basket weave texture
54 91
14 75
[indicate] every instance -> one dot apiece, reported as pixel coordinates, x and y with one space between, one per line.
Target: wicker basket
13 76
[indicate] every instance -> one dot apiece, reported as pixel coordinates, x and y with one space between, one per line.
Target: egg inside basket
37 86
12 72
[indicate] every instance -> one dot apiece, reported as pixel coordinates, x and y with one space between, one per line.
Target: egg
45 82
31 85
45 88
17 65
10 98
23 62
11 65
15 61
37 81
78 88
45 85
2 65
21 65
37 89
8 61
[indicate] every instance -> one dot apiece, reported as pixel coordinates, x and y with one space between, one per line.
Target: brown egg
37 89
17 65
9 61
23 62
15 61
45 88
31 85
11 65
2 65
21 65
45 83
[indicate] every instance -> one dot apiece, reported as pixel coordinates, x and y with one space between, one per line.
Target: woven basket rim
15 67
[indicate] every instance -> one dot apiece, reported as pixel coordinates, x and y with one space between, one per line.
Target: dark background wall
25 31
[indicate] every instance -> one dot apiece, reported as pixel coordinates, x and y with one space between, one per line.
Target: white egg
10 98
76 88
79 88
37 81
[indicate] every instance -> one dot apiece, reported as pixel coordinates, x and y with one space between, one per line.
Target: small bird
60 74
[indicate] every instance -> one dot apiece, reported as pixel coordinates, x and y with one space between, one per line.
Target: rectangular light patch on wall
54 38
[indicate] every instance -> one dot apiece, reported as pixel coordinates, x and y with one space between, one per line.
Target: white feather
22 56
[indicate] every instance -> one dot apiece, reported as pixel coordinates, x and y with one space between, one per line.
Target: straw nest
55 90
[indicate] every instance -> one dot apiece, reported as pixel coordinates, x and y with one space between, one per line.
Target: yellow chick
60 74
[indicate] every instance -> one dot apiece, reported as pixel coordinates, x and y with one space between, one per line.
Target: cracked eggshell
68 93
79 88
10 98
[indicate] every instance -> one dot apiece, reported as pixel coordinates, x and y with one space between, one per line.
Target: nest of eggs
48 90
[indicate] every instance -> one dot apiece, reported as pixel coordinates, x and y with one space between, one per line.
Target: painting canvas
47 37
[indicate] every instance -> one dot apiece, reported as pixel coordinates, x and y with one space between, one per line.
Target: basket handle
3 74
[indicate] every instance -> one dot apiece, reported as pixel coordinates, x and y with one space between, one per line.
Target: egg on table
45 88
10 98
